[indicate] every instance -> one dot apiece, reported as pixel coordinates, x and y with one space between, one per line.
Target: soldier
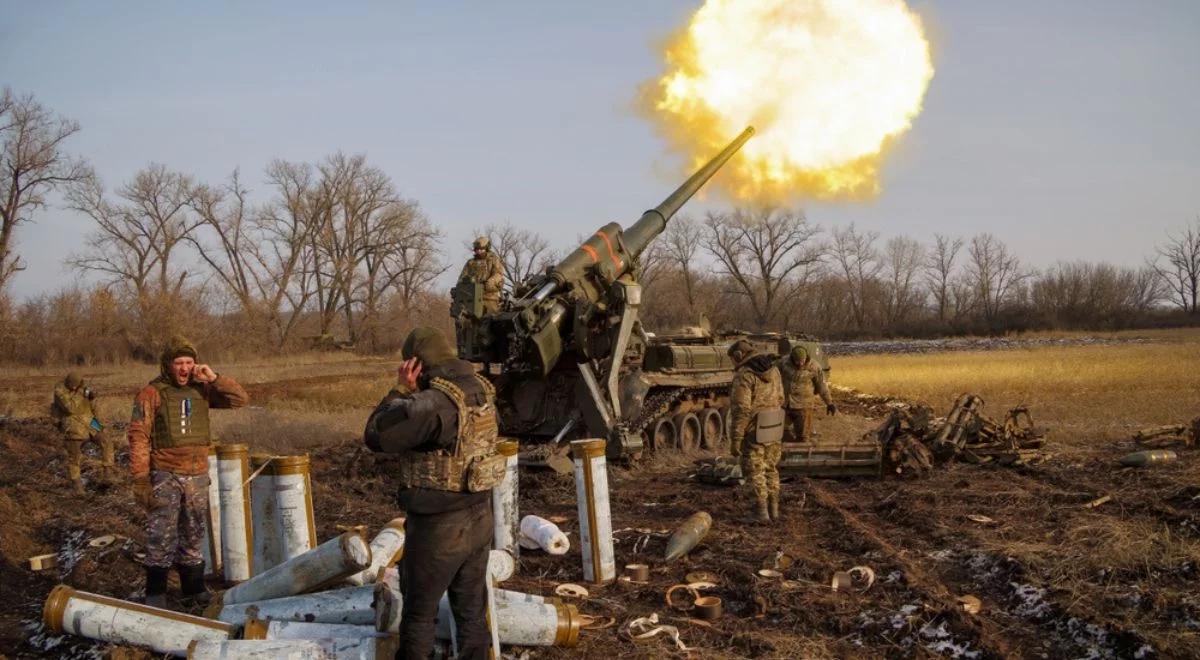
756 425
802 377
168 456
441 419
487 269
73 408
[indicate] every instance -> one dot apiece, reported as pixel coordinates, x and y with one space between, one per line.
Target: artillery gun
570 358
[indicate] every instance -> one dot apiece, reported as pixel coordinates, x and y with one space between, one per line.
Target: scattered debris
637 573
702 576
1098 501
841 581
647 627
913 441
769 573
779 561
688 535
859 578
102 541
1149 457
538 532
681 605
970 604
569 590
981 519
1187 435
720 471
43 562
708 608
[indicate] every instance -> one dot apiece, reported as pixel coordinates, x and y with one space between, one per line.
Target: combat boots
76 479
763 514
773 505
191 583
156 586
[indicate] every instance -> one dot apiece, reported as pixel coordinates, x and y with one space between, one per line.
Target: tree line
331 255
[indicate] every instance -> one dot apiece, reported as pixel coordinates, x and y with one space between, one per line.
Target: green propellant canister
688 535
1149 457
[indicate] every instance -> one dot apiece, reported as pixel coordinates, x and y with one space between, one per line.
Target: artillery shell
688 535
1149 457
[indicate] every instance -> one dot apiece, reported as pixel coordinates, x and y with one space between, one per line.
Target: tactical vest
182 417
475 464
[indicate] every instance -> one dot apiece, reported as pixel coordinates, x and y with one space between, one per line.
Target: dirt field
1056 579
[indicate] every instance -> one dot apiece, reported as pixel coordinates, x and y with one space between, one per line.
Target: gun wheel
661 434
687 431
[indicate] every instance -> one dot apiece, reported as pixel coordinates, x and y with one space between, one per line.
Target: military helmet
481 243
73 380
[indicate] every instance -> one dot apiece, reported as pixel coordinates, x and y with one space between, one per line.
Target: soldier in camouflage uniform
441 420
73 408
756 393
802 378
168 456
487 269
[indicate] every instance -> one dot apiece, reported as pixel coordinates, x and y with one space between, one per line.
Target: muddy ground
915 534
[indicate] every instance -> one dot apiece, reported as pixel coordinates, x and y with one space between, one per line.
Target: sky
1067 128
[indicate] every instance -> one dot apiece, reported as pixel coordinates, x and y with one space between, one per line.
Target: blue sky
1068 129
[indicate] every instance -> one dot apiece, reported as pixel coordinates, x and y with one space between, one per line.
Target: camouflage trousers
74 449
175 521
760 467
800 423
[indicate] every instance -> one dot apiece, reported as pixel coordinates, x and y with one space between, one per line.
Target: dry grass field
1089 395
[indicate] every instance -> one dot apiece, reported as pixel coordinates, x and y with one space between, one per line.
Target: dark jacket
425 420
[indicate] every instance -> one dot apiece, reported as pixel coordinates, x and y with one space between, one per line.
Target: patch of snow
1033 604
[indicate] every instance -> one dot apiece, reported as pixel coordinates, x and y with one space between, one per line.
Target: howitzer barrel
616 248
653 222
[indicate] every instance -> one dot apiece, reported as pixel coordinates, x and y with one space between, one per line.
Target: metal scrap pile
914 441
1187 435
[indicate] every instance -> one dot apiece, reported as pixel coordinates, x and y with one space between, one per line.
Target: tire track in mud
1002 579
990 636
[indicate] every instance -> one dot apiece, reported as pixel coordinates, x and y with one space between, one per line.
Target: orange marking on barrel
611 252
591 253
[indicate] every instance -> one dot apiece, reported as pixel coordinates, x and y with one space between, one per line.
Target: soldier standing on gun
168 457
756 425
73 408
487 269
802 378
441 419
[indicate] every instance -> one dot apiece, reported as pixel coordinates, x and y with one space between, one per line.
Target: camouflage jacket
488 271
801 383
757 385
73 410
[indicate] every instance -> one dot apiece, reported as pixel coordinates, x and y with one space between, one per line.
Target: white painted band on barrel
212 522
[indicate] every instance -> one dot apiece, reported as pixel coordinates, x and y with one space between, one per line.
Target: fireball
828 84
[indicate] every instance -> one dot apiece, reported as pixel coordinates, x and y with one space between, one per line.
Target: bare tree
136 240
32 163
681 242
902 261
523 252
857 259
1178 266
768 254
939 273
993 273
